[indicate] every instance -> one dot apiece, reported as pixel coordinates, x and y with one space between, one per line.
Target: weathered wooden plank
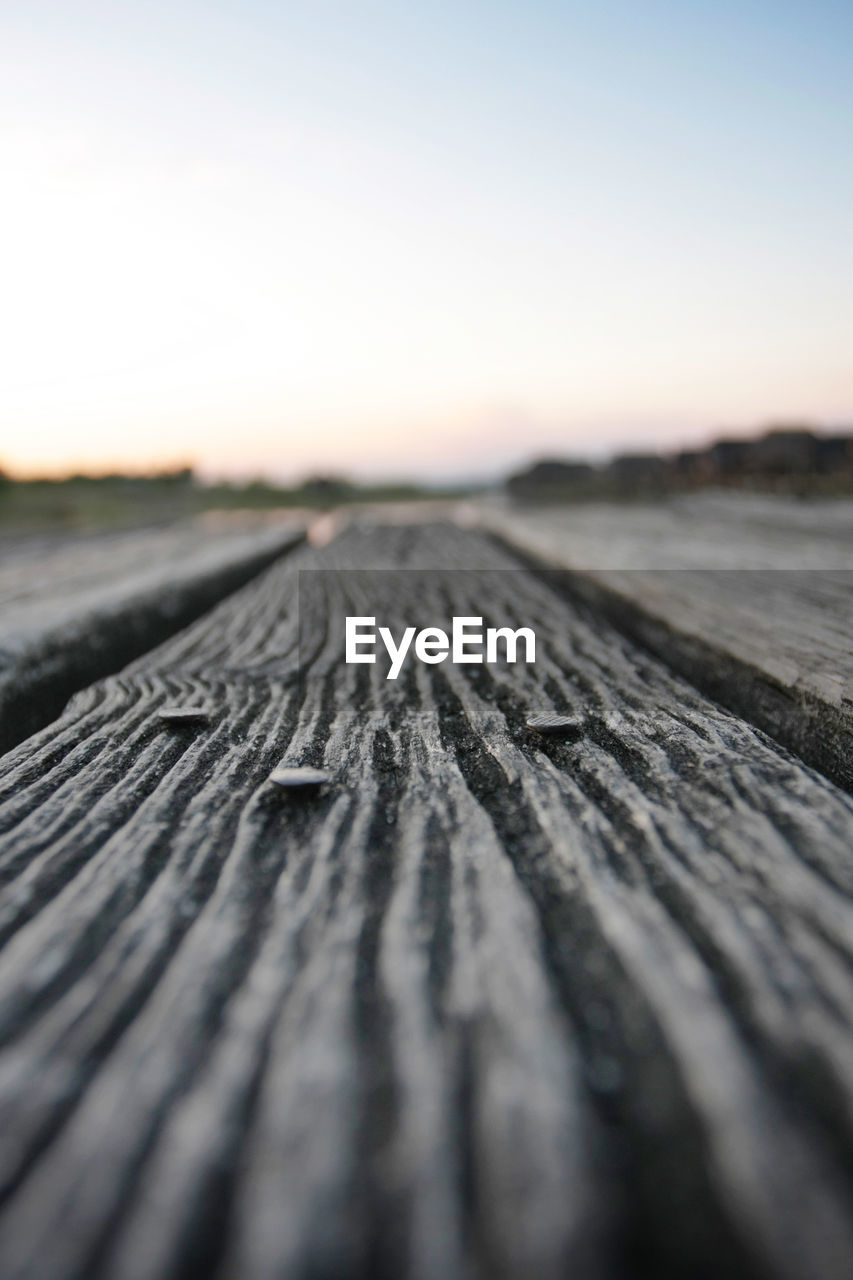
493 1003
774 644
712 530
74 608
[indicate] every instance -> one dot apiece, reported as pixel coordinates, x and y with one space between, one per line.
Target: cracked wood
492 1004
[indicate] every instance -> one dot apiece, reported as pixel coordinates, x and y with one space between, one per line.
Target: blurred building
787 458
551 480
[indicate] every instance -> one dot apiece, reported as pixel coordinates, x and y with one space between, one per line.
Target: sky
429 240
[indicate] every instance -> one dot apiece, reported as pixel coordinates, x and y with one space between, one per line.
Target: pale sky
418 239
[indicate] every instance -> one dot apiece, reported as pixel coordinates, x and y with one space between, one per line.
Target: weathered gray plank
774 644
74 608
711 530
493 1004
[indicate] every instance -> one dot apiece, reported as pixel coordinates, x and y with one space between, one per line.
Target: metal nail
183 715
555 724
299 776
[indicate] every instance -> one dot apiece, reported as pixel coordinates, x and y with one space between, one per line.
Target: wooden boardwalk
74 608
489 1004
750 598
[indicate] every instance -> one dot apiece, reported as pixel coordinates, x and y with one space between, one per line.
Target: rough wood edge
34 690
818 732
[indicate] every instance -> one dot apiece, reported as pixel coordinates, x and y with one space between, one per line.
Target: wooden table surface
74 607
749 597
490 1003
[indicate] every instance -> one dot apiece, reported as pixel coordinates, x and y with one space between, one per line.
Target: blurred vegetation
792 459
88 502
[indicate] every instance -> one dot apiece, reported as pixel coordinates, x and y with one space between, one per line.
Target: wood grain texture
492 1004
76 607
774 644
710 530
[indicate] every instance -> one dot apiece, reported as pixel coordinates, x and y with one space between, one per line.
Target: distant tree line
84 501
792 459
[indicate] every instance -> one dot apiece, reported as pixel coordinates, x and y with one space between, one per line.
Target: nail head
299 776
555 724
183 715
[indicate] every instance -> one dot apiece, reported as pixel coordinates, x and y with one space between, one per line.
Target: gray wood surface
75 607
709 530
768 631
491 1004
